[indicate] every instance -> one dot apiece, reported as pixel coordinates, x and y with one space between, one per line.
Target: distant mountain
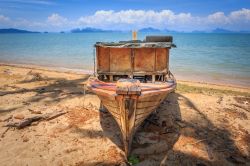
196 31
244 31
89 29
149 29
12 30
220 30
170 31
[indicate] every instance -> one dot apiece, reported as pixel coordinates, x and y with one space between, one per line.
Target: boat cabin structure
147 61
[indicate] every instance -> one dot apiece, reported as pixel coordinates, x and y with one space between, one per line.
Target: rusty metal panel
103 59
144 59
161 59
120 59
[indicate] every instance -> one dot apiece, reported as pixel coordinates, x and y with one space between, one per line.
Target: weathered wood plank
161 61
145 110
143 115
113 112
144 56
151 98
103 63
147 104
112 103
120 60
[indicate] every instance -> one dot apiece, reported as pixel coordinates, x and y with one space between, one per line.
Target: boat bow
130 102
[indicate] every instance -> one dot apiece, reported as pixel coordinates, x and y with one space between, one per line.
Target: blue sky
181 15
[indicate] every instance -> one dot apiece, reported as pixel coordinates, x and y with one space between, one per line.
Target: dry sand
199 124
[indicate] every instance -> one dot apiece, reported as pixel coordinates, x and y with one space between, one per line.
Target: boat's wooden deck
144 86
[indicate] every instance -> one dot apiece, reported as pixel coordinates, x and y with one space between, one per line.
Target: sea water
216 58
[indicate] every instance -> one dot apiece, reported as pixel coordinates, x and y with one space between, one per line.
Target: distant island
143 30
89 30
149 29
12 30
220 30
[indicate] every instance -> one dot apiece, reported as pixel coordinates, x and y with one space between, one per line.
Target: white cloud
243 14
135 19
218 18
57 20
132 19
4 18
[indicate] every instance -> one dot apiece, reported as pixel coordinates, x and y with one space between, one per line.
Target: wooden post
134 35
153 78
111 78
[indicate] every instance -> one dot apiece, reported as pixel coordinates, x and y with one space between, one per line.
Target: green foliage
133 160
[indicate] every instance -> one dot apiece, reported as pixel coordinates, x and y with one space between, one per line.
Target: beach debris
25 103
19 116
220 100
4 132
8 118
7 71
151 120
69 150
34 112
90 106
194 143
33 76
209 152
168 130
242 100
235 159
28 121
181 124
41 90
25 139
241 107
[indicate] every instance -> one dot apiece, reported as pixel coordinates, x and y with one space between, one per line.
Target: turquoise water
218 58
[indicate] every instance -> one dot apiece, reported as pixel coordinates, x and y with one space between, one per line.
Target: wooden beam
153 78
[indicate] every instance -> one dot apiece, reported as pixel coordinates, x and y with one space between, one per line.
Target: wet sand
199 124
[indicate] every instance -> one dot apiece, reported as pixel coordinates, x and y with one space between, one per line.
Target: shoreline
89 72
48 68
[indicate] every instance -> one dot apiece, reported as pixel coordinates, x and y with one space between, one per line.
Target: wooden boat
133 79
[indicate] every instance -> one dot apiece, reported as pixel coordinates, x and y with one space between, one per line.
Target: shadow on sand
59 90
165 139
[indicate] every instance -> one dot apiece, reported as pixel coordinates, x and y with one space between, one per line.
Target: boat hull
130 110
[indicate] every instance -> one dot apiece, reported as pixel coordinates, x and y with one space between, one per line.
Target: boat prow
130 102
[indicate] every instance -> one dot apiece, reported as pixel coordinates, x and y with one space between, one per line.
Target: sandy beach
198 124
